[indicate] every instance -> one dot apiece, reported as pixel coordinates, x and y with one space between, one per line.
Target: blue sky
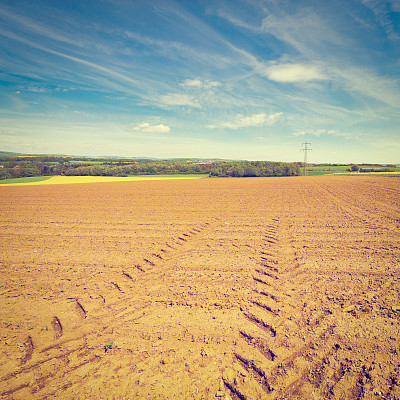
236 79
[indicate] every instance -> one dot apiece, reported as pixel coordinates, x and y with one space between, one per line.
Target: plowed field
265 288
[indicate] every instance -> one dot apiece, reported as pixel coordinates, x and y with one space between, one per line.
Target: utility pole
305 149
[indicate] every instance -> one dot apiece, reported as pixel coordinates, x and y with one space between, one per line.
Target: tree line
35 166
221 169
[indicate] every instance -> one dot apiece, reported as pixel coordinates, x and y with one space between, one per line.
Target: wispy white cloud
163 46
198 54
85 114
237 21
34 27
305 31
246 121
318 132
395 5
100 68
34 89
178 100
382 11
330 54
290 73
145 127
10 132
199 84
368 84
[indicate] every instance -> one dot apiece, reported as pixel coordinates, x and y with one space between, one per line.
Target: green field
343 169
30 179
84 162
326 169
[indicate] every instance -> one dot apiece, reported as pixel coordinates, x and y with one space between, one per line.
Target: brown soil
270 288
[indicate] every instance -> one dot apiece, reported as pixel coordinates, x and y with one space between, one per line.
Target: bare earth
267 288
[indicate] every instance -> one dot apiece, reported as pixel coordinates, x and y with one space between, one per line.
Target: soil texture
265 288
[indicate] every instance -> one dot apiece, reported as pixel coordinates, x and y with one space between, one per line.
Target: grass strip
26 180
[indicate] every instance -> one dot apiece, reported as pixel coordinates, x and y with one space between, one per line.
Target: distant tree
250 170
4 174
355 168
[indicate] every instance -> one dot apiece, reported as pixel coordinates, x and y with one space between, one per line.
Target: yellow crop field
62 180
368 173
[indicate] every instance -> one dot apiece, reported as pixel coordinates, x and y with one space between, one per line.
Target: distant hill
9 153
79 157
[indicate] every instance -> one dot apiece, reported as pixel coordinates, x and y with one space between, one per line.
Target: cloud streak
178 100
248 121
199 84
382 11
145 127
291 73
318 132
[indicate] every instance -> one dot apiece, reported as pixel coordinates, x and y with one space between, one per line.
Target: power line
305 149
